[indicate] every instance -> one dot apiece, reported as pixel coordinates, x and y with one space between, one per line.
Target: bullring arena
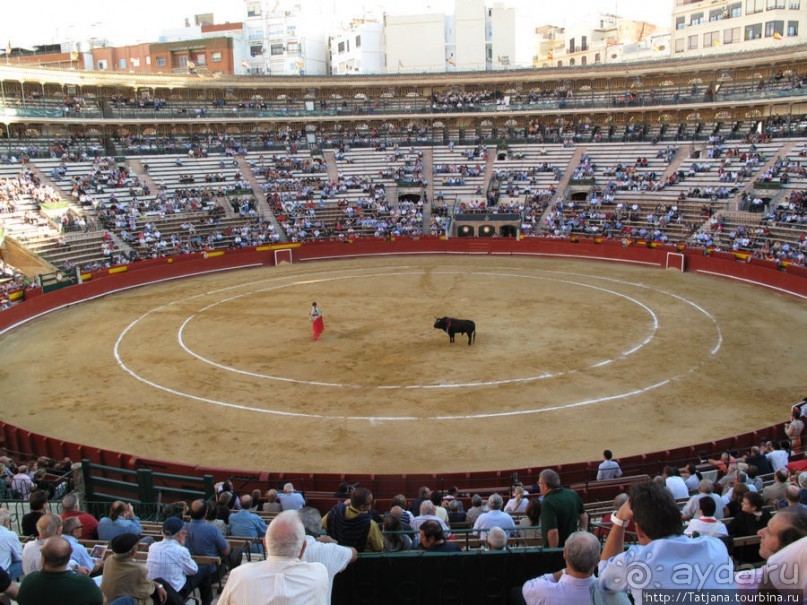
571 357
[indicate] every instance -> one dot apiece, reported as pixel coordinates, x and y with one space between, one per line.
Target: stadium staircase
678 160
563 185
784 152
136 168
489 167
428 175
261 205
329 155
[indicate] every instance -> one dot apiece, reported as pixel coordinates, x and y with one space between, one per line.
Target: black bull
452 325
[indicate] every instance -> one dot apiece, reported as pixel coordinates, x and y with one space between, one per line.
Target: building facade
703 28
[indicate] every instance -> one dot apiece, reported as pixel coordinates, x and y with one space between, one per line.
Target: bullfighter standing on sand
317 324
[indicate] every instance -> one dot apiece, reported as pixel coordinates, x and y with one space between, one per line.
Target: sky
55 21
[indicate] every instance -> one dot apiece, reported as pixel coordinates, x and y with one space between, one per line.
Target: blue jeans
15 570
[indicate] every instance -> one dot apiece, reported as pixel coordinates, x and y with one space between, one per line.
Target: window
679 45
753 32
696 19
254 9
340 48
774 27
692 42
255 50
754 6
711 39
680 22
148 59
794 5
735 10
792 28
358 41
774 4
583 60
201 59
121 63
102 64
215 57
571 45
730 36
717 14
183 61
276 49
584 43
571 62
293 46
291 30
597 58
160 62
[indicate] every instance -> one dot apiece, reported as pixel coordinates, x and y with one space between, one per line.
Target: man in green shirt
562 511
54 583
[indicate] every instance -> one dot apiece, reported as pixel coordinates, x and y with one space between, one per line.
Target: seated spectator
691 477
205 540
38 502
497 539
691 509
10 547
214 511
439 510
609 468
170 564
676 485
477 508
747 522
428 513
572 585
530 524
783 545
121 520
433 539
123 576
455 513
705 524
272 505
40 587
495 517
48 526
283 577
793 499
734 505
246 524
394 538
71 531
21 483
604 527
291 500
352 525
518 502
89 524
659 530
323 549
775 492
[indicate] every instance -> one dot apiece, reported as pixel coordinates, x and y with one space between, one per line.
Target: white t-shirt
333 556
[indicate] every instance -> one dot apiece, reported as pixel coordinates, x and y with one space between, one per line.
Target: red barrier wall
791 281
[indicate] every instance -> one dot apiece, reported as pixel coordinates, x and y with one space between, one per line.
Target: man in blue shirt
665 558
205 539
245 524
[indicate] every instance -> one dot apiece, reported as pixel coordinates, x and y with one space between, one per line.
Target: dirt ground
571 357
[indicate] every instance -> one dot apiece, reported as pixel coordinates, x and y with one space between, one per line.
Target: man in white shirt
323 549
609 469
10 547
170 563
283 577
572 585
706 524
776 455
674 483
691 509
495 517
428 512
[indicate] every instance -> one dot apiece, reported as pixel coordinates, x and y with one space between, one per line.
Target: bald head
48 525
427 508
56 554
285 536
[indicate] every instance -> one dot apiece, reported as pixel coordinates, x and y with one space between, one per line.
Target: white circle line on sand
388 418
453 385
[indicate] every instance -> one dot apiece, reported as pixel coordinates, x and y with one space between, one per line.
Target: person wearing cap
125 577
171 564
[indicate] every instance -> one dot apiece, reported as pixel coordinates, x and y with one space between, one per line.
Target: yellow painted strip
86 276
122 269
215 253
15 295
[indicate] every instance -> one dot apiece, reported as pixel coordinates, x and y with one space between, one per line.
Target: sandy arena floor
571 357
